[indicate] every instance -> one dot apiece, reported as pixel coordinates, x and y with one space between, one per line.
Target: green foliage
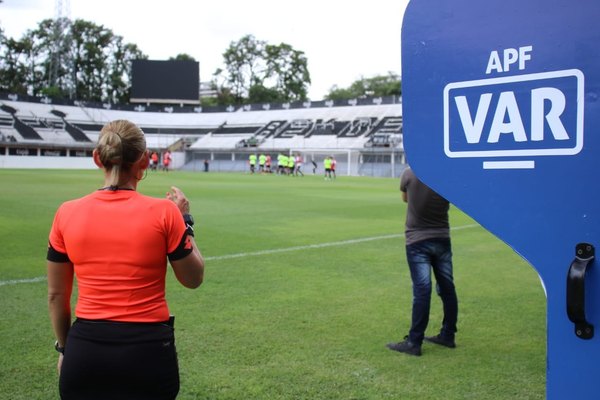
53 91
78 59
13 64
260 94
224 96
306 281
244 66
256 71
209 101
381 85
182 57
288 68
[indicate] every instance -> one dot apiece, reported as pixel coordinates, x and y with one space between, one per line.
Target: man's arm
404 180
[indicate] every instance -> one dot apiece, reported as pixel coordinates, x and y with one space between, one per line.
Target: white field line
18 281
266 252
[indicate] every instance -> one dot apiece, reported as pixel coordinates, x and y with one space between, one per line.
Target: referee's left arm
60 287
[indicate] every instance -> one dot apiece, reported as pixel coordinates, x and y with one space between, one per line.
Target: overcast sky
343 40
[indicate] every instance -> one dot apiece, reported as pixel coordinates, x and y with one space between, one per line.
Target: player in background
252 162
298 169
262 159
290 165
154 161
333 163
327 167
268 164
279 163
166 160
282 165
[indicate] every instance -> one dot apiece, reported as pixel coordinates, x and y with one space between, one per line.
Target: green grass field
306 281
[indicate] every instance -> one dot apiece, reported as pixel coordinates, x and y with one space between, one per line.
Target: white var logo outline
523 152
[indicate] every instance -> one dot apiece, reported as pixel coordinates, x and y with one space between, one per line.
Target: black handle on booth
584 255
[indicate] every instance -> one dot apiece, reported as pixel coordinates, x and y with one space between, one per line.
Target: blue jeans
422 257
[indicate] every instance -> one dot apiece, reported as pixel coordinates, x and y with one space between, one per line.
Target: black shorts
116 360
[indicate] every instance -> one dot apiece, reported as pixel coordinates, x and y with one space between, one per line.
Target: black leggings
115 360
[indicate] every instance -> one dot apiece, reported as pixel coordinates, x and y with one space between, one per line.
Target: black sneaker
406 346
442 341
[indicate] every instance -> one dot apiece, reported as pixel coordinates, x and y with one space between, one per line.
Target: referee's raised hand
178 197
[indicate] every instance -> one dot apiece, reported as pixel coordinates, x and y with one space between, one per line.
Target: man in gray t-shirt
428 248
427 213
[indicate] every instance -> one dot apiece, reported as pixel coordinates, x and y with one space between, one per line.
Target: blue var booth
501 117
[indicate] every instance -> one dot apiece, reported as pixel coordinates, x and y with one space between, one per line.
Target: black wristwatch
57 347
189 224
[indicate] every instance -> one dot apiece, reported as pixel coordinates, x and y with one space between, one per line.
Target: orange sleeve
56 239
176 229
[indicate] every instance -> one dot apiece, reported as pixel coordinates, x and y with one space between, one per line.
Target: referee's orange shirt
118 242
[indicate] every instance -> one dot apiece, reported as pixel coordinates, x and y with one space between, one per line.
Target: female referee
116 242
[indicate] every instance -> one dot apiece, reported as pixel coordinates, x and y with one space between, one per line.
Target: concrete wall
40 162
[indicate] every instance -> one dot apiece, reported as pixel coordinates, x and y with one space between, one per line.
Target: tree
261 94
256 71
13 66
52 40
64 58
244 66
381 85
118 89
90 59
224 96
288 68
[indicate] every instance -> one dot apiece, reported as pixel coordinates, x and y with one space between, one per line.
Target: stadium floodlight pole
59 55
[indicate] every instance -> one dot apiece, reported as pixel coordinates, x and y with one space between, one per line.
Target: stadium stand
364 138
76 133
23 128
